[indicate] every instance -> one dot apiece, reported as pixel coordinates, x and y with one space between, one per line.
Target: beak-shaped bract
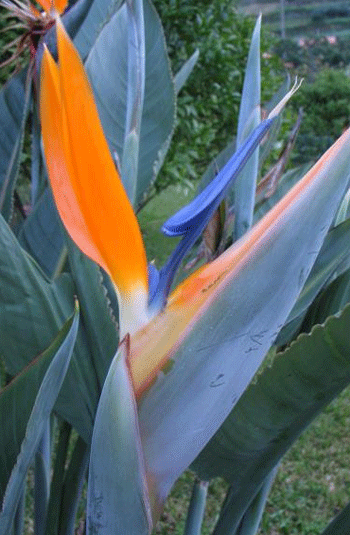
87 189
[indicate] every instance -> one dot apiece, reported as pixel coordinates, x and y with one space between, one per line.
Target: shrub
327 112
208 105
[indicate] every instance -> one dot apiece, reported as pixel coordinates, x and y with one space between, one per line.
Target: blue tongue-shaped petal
192 219
198 212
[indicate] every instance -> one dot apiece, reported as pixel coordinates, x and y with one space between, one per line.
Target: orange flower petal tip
53 6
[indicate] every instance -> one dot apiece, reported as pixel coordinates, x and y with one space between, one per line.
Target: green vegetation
207 107
330 93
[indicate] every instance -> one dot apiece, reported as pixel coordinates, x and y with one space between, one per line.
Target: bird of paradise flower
155 322
98 216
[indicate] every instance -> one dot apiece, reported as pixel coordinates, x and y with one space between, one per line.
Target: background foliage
207 107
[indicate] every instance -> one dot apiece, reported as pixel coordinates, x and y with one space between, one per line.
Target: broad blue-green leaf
33 309
83 21
75 478
117 498
340 525
42 477
14 102
333 299
108 76
182 75
62 431
99 14
43 405
38 176
41 235
100 326
135 92
332 260
344 210
283 400
210 369
248 119
289 179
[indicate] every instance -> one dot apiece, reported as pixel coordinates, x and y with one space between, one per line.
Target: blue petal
153 281
205 204
191 220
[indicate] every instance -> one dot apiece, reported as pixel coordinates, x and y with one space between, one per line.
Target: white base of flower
133 311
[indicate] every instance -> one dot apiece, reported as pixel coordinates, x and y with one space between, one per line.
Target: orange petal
88 191
60 5
53 5
57 164
154 345
100 193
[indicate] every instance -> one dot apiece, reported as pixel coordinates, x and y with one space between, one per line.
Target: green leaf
272 134
182 75
83 22
117 481
289 179
196 508
41 235
225 344
17 403
344 210
14 104
42 476
56 488
100 326
98 15
135 95
33 309
38 175
332 261
73 486
250 521
248 119
107 69
282 401
329 302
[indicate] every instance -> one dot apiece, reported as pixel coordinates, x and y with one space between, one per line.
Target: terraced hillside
303 18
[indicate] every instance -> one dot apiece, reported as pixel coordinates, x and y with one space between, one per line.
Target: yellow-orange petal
88 192
60 5
50 6
57 164
101 196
